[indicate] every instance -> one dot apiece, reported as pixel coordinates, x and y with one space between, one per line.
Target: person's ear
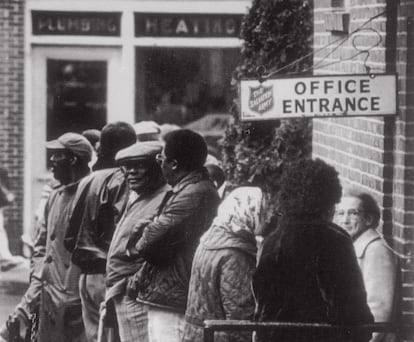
174 164
369 220
73 160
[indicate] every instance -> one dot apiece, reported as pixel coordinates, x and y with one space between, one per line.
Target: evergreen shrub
275 33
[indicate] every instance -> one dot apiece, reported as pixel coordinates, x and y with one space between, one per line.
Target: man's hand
136 234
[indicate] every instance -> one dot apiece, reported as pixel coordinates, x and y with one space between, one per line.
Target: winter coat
381 274
99 203
220 285
120 266
60 305
169 242
309 273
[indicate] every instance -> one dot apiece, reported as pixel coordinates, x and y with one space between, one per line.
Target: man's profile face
61 165
138 174
166 167
350 216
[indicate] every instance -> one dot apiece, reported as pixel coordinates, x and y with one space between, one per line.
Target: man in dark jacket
100 200
168 243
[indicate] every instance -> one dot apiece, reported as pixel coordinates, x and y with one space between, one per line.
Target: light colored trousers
165 326
92 294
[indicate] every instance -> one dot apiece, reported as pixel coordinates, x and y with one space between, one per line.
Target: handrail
210 326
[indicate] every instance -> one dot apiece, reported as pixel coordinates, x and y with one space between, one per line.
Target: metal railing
211 326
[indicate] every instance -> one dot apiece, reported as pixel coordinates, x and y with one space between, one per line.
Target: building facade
12 111
75 65
375 153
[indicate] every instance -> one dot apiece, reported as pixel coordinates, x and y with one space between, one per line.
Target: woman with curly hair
308 270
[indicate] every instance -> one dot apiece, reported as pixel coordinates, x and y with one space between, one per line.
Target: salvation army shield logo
261 99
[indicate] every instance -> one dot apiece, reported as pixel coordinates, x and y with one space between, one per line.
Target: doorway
71 89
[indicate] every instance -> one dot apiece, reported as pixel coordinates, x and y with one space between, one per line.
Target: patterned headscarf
241 209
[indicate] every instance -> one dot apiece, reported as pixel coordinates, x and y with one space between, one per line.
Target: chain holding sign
319 96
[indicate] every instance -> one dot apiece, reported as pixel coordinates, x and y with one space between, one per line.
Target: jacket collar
193 177
362 242
218 237
71 187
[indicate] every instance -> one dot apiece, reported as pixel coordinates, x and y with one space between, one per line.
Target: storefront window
179 86
76 96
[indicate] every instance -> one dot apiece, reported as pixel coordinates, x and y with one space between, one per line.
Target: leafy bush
275 33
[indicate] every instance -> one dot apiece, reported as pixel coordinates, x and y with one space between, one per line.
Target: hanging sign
318 96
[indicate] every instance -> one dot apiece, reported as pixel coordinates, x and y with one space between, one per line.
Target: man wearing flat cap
147 131
53 289
148 187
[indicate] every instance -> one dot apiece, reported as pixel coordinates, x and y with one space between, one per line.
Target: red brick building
375 153
12 110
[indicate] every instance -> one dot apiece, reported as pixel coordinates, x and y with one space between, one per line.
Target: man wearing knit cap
145 180
54 290
99 202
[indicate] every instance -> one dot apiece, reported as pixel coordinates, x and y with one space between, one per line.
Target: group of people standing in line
143 248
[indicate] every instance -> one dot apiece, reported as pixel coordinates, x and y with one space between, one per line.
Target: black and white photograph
206 171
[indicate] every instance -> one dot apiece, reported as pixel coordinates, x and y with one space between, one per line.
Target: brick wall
374 153
11 110
404 154
360 148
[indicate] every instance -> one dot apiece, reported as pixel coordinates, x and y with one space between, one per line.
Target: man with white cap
147 183
147 131
54 287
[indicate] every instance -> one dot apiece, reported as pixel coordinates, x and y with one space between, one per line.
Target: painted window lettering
189 26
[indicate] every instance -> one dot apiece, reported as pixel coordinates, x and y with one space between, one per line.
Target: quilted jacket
220 285
169 242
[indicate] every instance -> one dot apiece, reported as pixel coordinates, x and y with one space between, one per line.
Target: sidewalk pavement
13 284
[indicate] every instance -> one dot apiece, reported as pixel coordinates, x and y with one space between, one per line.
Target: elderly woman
358 213
220 284
308 270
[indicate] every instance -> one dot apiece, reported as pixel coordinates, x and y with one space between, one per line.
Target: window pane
181 85
76 96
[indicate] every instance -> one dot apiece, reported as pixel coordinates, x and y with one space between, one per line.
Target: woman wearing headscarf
220 283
